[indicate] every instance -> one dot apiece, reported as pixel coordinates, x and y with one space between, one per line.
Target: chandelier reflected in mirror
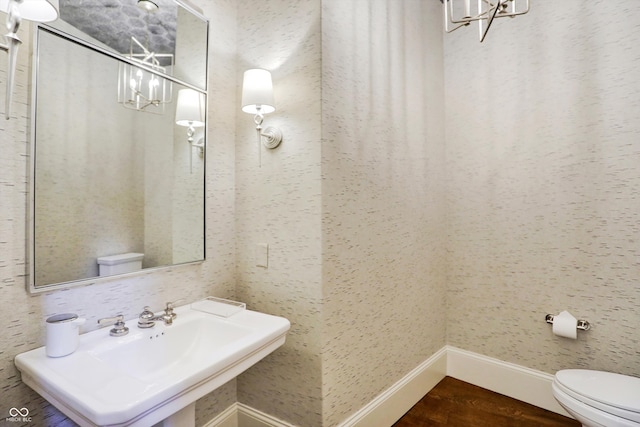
140 87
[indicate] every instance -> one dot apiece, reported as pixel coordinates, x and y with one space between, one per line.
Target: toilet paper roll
565 325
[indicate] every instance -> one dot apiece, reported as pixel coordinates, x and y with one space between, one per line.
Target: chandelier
139 86
461 13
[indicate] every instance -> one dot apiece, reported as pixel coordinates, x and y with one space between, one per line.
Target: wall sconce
190 113
17 10
257 99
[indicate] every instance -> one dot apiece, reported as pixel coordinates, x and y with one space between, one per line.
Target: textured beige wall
22 321
279 204
383 233
543 178
541 212
345 203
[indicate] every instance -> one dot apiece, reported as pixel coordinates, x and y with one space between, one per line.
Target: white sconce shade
257 92
257 99
190 108
35 10
190 113
32 10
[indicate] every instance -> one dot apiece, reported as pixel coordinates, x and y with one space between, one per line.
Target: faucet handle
119 329
145 320
168 311
146 312
172 304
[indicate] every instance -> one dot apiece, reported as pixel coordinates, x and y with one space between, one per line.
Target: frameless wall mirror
118 165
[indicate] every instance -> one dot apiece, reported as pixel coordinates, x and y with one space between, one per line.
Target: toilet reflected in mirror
120 264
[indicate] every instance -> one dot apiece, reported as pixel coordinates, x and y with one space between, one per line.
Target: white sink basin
150 374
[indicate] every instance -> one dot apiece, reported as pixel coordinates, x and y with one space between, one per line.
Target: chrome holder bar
583 325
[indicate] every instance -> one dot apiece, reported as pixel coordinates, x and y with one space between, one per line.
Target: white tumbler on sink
63 331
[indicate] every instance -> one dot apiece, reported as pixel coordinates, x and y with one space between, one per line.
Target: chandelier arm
486 30
465 21
496 9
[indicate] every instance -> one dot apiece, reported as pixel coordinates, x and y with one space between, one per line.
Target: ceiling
113 22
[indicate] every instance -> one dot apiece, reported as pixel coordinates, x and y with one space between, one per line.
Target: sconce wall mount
272 136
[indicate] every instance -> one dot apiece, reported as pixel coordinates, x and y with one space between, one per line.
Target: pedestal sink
152 375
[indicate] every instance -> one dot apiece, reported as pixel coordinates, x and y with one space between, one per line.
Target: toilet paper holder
583 325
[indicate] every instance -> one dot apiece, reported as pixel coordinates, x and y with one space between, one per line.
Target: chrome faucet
119 329
147 318
168 310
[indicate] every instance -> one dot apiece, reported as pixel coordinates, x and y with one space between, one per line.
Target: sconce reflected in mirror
17 10
190 113
257 99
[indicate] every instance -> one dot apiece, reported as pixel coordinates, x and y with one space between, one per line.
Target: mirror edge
40 289
32 288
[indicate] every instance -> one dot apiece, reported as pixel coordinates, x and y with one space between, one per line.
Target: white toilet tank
121 263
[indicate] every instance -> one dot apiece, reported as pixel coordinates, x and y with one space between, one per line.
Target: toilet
119 264
599 399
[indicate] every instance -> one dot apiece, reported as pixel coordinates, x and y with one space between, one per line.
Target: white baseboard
525 384
240 415
394 402
227 418
250 417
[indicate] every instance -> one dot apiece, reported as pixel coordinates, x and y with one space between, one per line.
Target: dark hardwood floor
454 403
